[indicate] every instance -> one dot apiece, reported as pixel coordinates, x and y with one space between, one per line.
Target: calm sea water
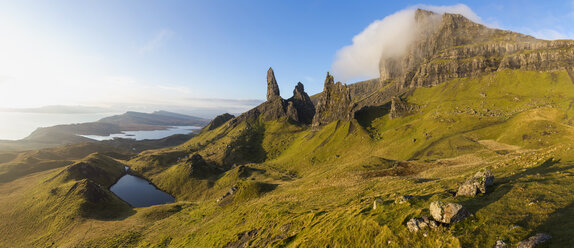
14 125
149 134
138 192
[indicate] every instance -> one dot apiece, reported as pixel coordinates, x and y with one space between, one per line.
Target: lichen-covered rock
535 240
500 244
417 224
476 184
486 178
448 212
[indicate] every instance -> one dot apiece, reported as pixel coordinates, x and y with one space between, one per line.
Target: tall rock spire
334 104
303 104
272 87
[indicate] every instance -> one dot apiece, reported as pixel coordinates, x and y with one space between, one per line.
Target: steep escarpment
451 46
445 47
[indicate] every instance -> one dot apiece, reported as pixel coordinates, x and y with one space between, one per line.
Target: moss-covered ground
298 187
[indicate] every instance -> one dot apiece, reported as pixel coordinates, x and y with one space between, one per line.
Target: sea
146 134
18 125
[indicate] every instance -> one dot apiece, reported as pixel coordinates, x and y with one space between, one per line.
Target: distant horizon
24 123
204 58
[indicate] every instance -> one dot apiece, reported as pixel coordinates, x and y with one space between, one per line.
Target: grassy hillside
279 184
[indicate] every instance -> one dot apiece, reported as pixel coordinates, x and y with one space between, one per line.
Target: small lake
138 192
147 134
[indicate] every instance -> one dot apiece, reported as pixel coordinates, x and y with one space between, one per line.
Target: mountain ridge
44 137
373 157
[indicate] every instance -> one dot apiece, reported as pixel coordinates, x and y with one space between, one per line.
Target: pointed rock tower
303 104
272 87
335 103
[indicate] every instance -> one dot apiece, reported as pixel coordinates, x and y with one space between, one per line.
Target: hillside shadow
503 185
559 227
366 115
248 147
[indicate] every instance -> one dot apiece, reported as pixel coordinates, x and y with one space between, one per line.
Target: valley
470 118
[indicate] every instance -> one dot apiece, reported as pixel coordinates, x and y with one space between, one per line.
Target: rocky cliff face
445 47
334 104
302 107
450 46
400 108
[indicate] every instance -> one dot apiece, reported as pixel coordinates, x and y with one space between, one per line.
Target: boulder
377 201
417 224
477 183
535 240
448 212
403 199
500 244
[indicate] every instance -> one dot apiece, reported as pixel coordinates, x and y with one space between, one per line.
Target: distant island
130 121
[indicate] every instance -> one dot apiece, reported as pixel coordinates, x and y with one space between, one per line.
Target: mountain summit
451 46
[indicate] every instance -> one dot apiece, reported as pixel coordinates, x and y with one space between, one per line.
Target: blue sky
201 56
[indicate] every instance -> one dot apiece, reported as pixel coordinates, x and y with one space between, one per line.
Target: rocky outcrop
417 224
448 212
476 184
400 108
535 240
335 103
198 168
298 108
228 193
302 104
272 87
218 121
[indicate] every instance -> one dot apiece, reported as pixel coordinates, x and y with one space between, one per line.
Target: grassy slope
316 188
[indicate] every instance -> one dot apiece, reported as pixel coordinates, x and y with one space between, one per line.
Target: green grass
298 187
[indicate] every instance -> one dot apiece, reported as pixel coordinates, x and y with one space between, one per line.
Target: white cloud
548 34
157 41
388 37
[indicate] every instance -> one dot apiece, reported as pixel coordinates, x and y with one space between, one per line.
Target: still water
149 134
16 125
138 192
